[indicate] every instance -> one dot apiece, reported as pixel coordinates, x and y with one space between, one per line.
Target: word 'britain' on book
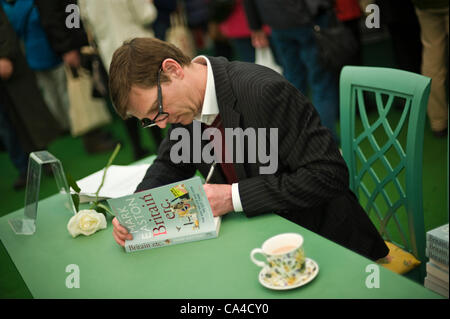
167 215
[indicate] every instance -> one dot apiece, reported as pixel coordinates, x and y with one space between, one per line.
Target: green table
214 268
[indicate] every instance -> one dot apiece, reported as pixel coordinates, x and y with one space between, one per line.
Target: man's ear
172 68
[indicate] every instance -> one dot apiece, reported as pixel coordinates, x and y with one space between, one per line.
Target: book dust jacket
167 215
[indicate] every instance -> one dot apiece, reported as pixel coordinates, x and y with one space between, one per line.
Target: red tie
227 168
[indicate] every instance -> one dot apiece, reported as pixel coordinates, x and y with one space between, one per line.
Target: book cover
437 272
437 244
167 215
436 288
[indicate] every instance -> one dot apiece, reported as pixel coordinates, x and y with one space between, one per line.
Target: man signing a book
305 179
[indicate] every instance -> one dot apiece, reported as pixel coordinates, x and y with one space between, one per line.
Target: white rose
86 222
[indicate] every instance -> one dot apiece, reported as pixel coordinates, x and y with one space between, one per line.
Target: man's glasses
161 116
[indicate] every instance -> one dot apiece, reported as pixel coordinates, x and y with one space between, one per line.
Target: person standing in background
26 124
294 42
404 30
9 138
349 13
111 23
433 19
236 29
162 22
48 67
197 18
67 43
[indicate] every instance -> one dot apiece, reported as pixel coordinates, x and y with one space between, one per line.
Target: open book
167 215
119 181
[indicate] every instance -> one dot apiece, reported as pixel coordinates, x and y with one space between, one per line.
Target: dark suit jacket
310 186
36 126
283 14
53 19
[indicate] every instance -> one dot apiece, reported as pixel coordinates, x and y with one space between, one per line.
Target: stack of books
437 266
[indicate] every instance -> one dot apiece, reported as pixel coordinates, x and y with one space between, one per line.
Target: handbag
86 112
264 56
92 62
179 34
336 44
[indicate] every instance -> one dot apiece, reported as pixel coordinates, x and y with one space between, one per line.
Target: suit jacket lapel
226 101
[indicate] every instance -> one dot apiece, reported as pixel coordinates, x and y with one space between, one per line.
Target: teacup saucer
270 281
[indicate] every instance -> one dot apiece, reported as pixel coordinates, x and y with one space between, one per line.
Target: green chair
382 147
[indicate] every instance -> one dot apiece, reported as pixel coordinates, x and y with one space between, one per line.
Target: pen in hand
211 171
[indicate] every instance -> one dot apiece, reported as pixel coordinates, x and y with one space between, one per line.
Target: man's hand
6 68
72 58
219 197
120 233
259 39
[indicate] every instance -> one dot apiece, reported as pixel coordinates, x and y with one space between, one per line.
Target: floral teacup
284 255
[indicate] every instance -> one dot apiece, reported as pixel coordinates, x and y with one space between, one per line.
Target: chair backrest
383 148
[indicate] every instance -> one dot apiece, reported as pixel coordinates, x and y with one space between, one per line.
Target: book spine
437 248
439 265
170 241
436 272
437 289
437 253
439 258
437 281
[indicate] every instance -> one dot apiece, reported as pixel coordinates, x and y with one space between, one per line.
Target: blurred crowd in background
54 68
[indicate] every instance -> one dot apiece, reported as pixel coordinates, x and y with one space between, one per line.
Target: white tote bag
264 56
179 34
86 112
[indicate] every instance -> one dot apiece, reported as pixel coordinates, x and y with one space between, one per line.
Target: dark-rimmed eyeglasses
161 116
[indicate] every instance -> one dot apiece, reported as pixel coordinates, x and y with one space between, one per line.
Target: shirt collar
210 108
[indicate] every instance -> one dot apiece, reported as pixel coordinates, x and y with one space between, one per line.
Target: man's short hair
137 62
